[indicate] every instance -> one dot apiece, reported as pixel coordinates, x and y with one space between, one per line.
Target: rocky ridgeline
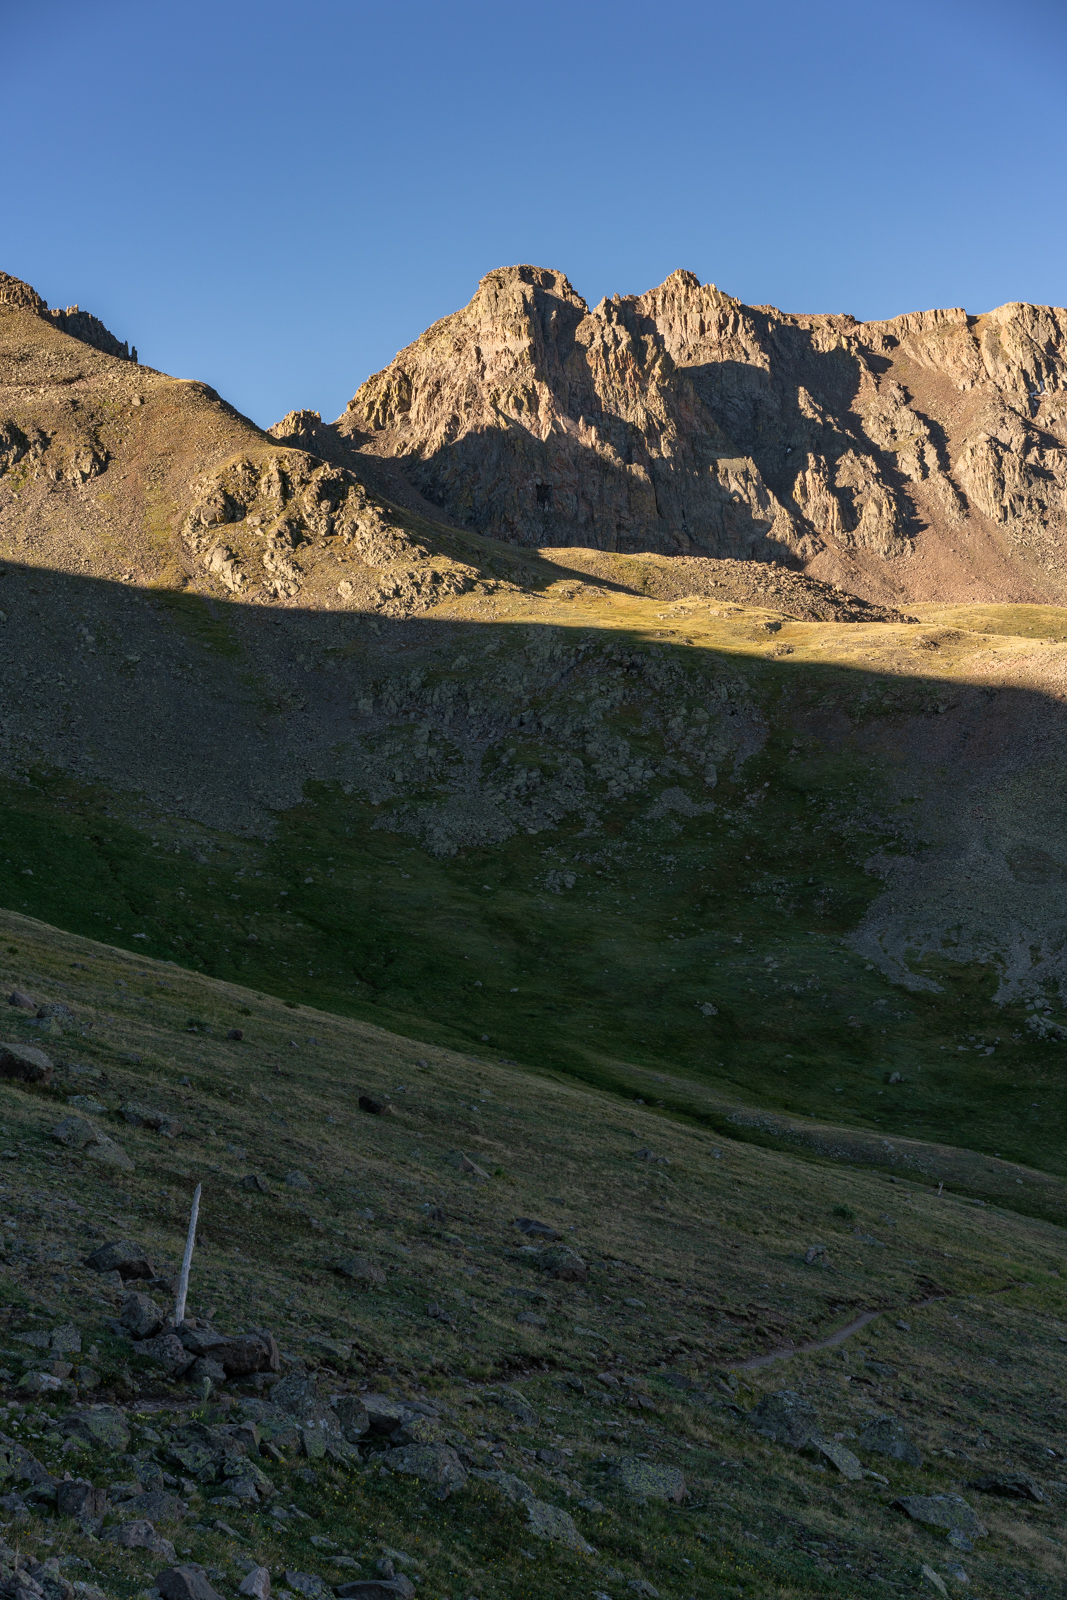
686 422
79 324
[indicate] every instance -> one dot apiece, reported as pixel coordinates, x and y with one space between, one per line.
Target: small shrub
845 1212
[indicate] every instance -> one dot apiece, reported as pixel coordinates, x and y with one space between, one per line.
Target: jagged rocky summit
923 457
79 324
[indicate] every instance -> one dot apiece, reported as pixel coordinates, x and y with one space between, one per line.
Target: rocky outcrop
684 422
79 324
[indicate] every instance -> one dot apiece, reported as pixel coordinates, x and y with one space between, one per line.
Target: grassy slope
748 906
696 1265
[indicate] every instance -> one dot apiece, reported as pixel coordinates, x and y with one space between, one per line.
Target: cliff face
919 458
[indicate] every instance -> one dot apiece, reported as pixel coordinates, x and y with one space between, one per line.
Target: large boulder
785 1418
888 1437
77 1133
353 1416
121 1256
948 1511
543 1520
239 1356
185 1582
644 1480
141 1535
139 1116
436 1464
103 1427
140 1316
168 1352
25 1064
78 1498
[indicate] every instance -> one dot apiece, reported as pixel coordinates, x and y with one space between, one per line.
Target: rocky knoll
920 458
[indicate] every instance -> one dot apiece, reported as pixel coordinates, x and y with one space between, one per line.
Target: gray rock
932 1579
1012 1485
361 1270
888 1437
298 1180
817 1255
395 1588
835 1452
375 1105
104 1427
185 1582
85 1137
158 1505
203 1367
384 1414
121 1256
141 1535
564 1264
168 1352
305 1583
25 1064
436 1464
256 1584
543 1520
252 1180
140 1316
22 1001
139 1116
78 1498
784 1418
353 1416
536 1230
644 1480
948 1511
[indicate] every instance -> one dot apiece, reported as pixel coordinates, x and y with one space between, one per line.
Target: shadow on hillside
315 751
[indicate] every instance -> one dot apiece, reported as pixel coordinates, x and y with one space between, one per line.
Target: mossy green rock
644 1480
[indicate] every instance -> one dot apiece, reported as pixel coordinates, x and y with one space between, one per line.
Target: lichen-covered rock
104 1427
25 1064
168 1352
77 1133
436 1464
646 1480
140 1316
141 1535
543 1520
139 1116
886 1436
949 1511
784 1417
122 1256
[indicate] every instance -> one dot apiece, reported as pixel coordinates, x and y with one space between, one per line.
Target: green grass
748 909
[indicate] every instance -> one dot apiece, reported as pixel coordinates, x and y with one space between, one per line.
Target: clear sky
276 198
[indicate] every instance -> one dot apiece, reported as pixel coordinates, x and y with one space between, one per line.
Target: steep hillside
610 814
112 470
923 458
534 1340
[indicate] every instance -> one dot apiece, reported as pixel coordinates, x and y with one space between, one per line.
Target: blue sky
276 198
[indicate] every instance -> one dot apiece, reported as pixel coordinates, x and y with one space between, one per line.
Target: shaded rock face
685 422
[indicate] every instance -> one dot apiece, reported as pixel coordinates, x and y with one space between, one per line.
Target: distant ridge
919 458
